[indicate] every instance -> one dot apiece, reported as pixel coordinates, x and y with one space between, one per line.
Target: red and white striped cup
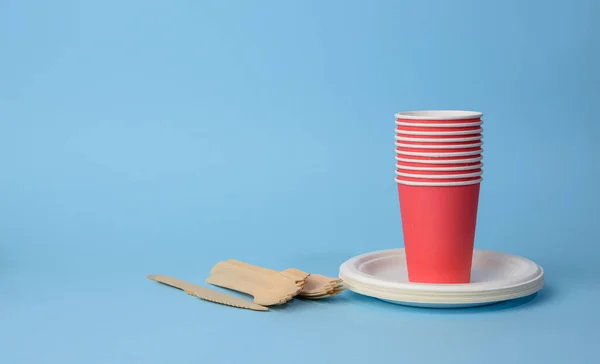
438 172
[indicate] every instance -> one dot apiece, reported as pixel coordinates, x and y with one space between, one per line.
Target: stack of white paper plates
495 277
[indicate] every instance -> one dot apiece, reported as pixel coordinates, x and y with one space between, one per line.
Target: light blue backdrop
143 137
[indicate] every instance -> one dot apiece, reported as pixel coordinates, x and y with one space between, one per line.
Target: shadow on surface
299 303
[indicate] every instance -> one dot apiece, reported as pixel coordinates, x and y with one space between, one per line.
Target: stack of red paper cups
438 172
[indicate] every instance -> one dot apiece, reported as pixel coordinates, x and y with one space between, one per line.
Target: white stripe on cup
439 146
439 169
439 140
439 176
449 125
440 155
439 184
437 161
440 133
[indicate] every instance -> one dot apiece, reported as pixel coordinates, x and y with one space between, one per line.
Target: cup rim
439 133
439 146
439 169
440 155
439 184
423 125
438 115
439 176
437 161
438 140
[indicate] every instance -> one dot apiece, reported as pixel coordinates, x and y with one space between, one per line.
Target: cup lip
439 176
437 161
439 184
439 169
438 140
422 125
439 146
439 133
441 155
438 115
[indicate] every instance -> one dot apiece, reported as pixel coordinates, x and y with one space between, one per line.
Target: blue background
142 137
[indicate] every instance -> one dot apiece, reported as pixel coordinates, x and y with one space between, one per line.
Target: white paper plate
495 277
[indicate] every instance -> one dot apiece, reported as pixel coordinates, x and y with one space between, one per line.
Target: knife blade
206 294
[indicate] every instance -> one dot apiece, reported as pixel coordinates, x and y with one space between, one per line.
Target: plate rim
349 270
430 298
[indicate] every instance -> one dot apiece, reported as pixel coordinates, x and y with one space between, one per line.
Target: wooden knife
206 294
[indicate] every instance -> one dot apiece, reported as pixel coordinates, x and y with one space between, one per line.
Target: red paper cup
473 138
426 145
439 129
441 133
440 125
410 139
439 153
438 223
403 173
442 160
437 181
438 167
439 116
